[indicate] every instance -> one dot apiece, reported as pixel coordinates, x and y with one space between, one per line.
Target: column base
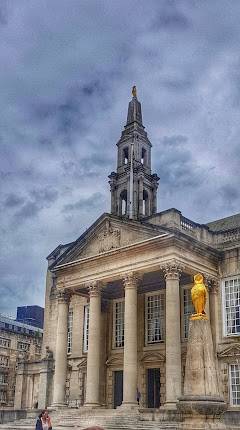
169 406
128 405
92 405
58 406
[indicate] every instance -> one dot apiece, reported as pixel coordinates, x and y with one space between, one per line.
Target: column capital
172 269
94 288
62 296
131 280
212 283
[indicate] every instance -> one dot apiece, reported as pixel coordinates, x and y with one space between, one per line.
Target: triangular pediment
83 363
153 356
108 233
231 351
115 361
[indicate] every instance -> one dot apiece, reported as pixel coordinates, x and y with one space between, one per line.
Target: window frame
7 340
224 311
86 327
230 385
70 331
25 345
114 340
182 289
151 294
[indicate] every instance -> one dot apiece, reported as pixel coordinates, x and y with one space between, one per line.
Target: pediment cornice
115 361
152 357
230 352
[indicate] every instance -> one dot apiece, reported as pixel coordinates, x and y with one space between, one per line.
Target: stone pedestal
201 405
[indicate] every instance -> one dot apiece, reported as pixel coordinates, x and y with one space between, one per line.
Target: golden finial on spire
134 91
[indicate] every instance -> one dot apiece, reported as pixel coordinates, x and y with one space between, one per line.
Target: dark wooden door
118 388
153 384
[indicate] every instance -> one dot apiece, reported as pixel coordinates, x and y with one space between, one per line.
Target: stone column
45 379
20 377
93 358
172 273
61 351
130 341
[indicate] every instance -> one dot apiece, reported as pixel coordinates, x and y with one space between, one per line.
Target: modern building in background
32 315
118 299
18 343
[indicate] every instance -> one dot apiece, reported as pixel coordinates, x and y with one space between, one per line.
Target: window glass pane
232 306
86 328
155 317
188 309
118 328
69 337
235 384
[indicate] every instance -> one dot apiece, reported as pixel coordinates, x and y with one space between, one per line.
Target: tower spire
133 186
134 109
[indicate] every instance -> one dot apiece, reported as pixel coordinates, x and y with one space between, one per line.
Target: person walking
43 421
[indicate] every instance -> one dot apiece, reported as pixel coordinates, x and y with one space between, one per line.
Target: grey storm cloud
85 204
65 86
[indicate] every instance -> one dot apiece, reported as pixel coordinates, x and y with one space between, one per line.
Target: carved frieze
109 238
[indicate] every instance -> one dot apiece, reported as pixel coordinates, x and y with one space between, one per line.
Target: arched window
125 155
144 156
145 203
123 202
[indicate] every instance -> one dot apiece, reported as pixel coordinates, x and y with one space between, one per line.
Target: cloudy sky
67 68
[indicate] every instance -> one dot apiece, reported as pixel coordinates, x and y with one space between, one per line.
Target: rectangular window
235 384
3 361
155 317
22 346
85 328
3 378
69 335
5 342
231 300
118 323
188 309
3 397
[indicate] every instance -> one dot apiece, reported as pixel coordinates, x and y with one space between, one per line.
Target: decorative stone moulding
172 269
94 288
131 280
202 405
62 296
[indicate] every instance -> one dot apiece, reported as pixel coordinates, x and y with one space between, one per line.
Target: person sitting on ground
43 421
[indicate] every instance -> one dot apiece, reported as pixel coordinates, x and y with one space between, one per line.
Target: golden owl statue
199 297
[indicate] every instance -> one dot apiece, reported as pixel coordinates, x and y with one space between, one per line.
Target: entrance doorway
153 388
118 388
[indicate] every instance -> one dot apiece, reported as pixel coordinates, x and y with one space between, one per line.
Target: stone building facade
118 298
18 343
